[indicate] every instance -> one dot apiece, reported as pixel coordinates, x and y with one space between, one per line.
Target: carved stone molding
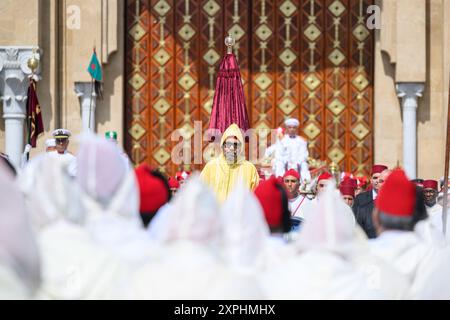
14 82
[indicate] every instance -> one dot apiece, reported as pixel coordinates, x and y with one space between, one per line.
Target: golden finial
32 62
333 167
229 42
334 170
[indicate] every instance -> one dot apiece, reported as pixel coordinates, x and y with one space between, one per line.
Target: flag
34 115
94 69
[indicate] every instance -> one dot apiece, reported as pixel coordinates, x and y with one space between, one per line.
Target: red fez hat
418 182
349 181
361 181
324 176
347 190
269 197
346 175
398 195
430 184
378 168
153 191
182 175
293 173
173 183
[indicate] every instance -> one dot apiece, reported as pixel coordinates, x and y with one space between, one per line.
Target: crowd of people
91 226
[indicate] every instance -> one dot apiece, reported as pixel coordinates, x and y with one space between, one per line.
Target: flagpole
90 102
29 116
446 169
90 98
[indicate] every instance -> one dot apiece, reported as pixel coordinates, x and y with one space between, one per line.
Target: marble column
14 82
410 92
88 101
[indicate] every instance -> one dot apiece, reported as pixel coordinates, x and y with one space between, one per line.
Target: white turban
332 227
292 122
245 230
50 143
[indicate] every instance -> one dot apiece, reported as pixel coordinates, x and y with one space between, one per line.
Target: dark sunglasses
235 145
60 140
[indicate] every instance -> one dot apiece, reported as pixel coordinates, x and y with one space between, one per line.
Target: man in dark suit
364 202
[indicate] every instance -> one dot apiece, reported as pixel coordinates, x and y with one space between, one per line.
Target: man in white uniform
291 152
62 141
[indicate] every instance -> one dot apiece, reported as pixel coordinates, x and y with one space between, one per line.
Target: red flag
34 116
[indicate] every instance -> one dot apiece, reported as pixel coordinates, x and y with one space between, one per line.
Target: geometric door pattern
309 59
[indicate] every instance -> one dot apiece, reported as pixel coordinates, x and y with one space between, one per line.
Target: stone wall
20 30
399 58
101 26
66 51
432 108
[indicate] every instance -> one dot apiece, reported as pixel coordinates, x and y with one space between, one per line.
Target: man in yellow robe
223 172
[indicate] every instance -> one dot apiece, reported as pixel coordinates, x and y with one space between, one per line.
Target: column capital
14 77
409 89
85 89
14 82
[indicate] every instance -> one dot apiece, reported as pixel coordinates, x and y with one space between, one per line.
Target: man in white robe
110 199
291 152
248 245
74 266
331 260
19 257
190 265
394 219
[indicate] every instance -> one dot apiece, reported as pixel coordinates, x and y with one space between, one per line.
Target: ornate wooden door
309 59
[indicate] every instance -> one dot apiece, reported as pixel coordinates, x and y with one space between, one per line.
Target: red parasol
229 101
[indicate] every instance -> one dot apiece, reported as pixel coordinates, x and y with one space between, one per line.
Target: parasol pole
447 150
33 64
